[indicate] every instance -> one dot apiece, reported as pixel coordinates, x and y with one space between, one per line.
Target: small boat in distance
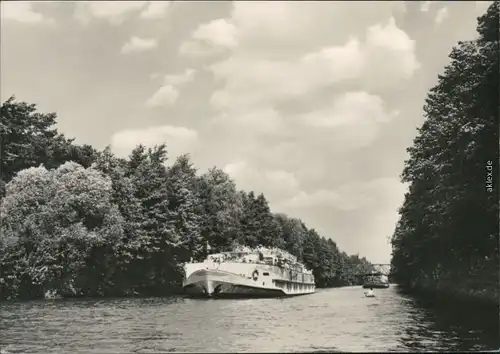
370 293
375 281
245 272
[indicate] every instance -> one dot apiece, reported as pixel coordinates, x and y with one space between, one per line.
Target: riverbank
174 291
466 291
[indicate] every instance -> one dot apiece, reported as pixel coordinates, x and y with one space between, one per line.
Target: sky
311 103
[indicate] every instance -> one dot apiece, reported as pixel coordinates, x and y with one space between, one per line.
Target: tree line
447 236
81 222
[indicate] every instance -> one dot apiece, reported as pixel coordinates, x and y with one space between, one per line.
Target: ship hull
231 291
219 284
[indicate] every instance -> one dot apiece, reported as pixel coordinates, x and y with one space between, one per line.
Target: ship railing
291 275
286 273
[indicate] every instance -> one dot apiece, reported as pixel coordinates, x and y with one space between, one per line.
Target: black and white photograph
249 176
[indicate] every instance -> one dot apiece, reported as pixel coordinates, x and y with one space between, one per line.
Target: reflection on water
330 320
454 328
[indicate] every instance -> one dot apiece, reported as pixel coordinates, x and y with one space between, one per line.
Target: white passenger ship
244 272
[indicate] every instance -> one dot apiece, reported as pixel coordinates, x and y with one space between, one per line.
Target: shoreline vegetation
446 241
77 222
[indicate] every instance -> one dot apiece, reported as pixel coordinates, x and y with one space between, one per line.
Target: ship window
265 273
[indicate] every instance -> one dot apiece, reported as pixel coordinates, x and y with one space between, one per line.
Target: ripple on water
331 320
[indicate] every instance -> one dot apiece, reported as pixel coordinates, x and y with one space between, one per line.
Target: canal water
335 320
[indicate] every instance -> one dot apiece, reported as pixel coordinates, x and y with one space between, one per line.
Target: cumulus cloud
180 79
350 108
386 56
197 49
352 119
261 122
115 12
276 184
441 15
354 195
155 10
210 39
256 79
218 32
263 27
168 94
425 5
179 140
137 44
165 96
19 11
330 198
299 86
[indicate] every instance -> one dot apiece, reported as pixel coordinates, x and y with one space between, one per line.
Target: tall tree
448 228
135 239
222 209
29 138
259 227
270 233
186 208
293 234
26 137
157 269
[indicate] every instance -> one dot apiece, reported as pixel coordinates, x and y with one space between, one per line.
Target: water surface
330 320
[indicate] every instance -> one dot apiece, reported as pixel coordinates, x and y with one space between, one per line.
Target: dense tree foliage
55 225
29 139
447 235
81 222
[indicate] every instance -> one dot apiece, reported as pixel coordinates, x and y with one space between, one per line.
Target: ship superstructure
260 272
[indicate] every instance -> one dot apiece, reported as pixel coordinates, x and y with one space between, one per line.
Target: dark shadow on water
451 326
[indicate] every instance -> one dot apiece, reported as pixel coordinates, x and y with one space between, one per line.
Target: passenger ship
244 272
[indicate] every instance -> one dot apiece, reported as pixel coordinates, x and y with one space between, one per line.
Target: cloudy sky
312 104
